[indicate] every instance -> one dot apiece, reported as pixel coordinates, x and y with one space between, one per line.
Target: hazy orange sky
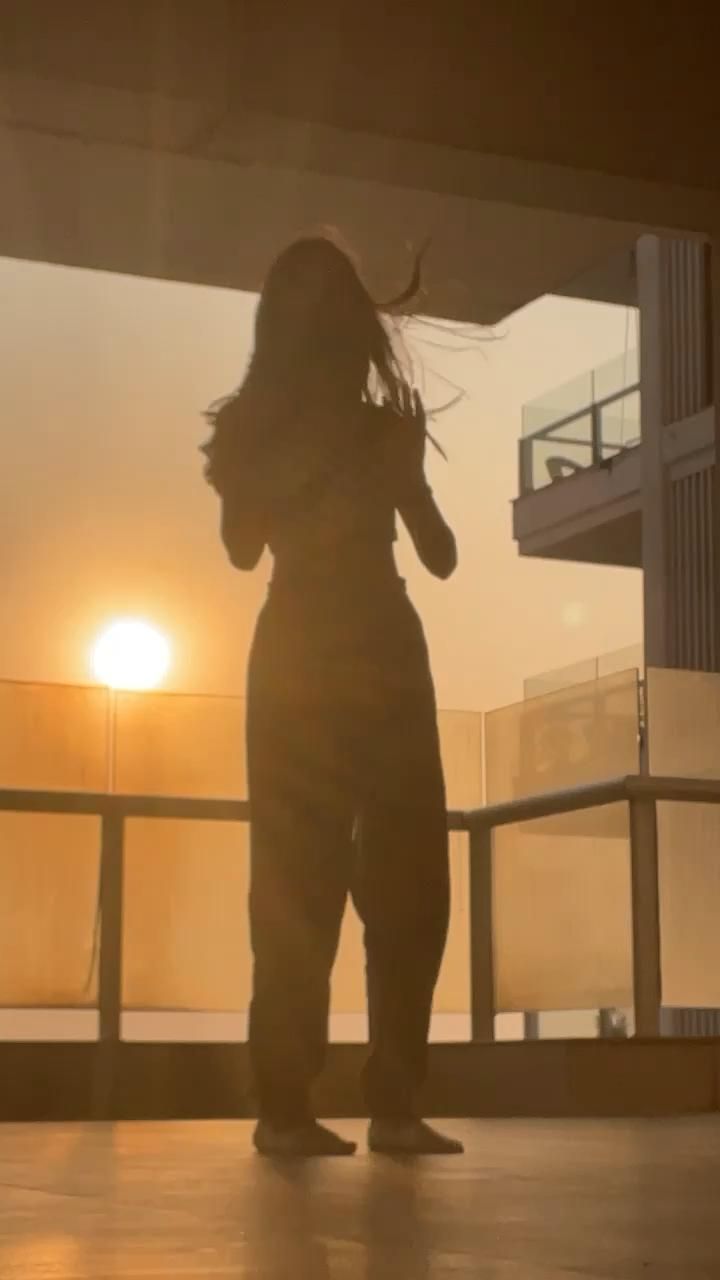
105 512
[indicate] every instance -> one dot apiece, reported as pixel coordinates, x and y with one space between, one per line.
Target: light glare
130 654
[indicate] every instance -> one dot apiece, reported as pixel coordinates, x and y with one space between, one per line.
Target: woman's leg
301 830
403 896
404 902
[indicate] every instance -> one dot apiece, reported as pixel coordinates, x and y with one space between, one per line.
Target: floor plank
537 1200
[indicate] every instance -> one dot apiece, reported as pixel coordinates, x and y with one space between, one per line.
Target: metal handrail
548 804
102 804
642 793
545 804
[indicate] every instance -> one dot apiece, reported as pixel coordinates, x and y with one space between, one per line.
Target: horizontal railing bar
99 805
545 805
549 804
457 820
674 790
564 440
594 795
585 412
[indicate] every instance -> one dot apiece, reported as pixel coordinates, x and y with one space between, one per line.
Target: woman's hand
432 537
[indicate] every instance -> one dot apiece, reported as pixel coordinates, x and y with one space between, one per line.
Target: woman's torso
338 624
332 530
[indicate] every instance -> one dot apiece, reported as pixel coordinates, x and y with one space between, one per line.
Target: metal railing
574 452
641 794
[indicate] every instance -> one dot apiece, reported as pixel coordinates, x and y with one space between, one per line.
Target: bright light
574 615
131 654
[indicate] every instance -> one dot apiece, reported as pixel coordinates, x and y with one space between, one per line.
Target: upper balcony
583 423
579 468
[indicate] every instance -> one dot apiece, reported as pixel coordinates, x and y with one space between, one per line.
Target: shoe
410 1138
310 1139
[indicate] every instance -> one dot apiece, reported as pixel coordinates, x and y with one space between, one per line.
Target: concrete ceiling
86 188
191 142
616 88
611 279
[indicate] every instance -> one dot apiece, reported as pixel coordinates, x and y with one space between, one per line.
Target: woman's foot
309 1139
410 1138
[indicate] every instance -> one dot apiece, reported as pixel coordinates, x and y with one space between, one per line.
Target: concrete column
714 303
677 355
654 496
679 298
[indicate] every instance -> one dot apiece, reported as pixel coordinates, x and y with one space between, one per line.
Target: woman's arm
431 536
242 528
236 472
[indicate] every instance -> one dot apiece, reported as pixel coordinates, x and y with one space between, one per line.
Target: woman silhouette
312 457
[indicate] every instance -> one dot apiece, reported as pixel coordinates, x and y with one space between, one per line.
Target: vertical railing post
596 429
647 984
531 1025
482 975
526 458
110 955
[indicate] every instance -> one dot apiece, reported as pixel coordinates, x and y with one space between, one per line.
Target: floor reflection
536 1199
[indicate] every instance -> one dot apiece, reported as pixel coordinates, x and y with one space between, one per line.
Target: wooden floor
530 1200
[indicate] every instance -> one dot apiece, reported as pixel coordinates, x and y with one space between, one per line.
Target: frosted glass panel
461 744
53 737
627 660
180 745
570 737
631 658
186 938
684 740
452 994
561 885
559 678
559 403
562 925
574 735
186 943
49 874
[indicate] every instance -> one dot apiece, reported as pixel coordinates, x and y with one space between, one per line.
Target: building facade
619 467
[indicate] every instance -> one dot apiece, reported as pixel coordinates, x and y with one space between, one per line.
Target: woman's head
319 342
318 330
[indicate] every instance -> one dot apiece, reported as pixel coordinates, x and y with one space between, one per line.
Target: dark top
324 501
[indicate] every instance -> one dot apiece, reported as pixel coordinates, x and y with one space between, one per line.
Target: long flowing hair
320 341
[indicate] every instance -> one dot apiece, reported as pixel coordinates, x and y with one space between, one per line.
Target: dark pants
347 795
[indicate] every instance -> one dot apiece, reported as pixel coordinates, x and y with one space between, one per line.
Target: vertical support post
111 909
647 985
531 1026
713 337
482 975
110 965
652 300
596 429
112 739
526 448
